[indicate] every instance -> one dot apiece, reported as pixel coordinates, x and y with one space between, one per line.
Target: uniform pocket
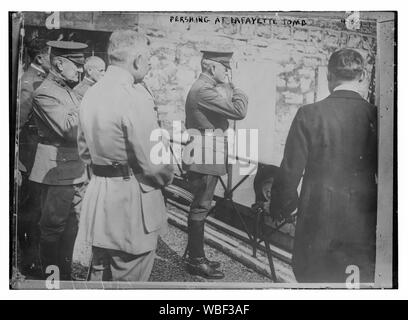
65 155
154 210
145 185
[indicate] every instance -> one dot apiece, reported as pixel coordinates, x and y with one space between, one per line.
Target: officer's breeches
202 187
60 208
28 219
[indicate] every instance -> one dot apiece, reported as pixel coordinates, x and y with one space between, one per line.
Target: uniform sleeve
138 127
26 99
63 121
209 98
83 149
284 195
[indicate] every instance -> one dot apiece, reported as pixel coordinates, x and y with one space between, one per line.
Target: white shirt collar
208 77
89 79
38 68
348 87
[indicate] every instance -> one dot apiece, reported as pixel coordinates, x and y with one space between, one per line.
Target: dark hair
35 47
346 64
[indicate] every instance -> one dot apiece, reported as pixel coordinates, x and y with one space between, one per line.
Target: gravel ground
169 267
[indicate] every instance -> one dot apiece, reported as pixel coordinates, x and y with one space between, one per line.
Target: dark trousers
29 211
28 231
202 187
60 208
331 266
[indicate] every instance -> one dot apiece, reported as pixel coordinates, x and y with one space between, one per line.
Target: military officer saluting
57 166
210 102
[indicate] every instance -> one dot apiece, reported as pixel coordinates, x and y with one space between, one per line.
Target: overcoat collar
54 77
207 79
40 71
348 94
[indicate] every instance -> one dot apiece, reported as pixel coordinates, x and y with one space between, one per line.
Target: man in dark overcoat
332 144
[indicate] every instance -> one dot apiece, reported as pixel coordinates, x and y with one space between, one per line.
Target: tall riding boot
31 258
23 244
197 263
49 255
67 243
195 238
195 246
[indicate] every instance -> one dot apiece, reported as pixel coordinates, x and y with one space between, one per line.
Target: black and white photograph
203 150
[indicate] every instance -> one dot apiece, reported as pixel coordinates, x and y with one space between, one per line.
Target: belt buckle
126 176
123 170
115 164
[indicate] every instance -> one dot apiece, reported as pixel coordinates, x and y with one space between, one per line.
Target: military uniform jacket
56 113
333 145
82 87
30 81
116 121
208 108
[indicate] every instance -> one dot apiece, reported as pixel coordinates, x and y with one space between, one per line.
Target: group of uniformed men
94 134
91 176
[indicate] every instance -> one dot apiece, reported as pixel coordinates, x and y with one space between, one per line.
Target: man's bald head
94 68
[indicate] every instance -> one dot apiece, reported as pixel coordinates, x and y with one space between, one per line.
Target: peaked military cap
217 56
71 50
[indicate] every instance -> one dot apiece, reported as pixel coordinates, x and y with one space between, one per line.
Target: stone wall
298 47
297 50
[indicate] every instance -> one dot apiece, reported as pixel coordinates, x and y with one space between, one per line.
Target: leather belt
210 132
113 170
57 143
